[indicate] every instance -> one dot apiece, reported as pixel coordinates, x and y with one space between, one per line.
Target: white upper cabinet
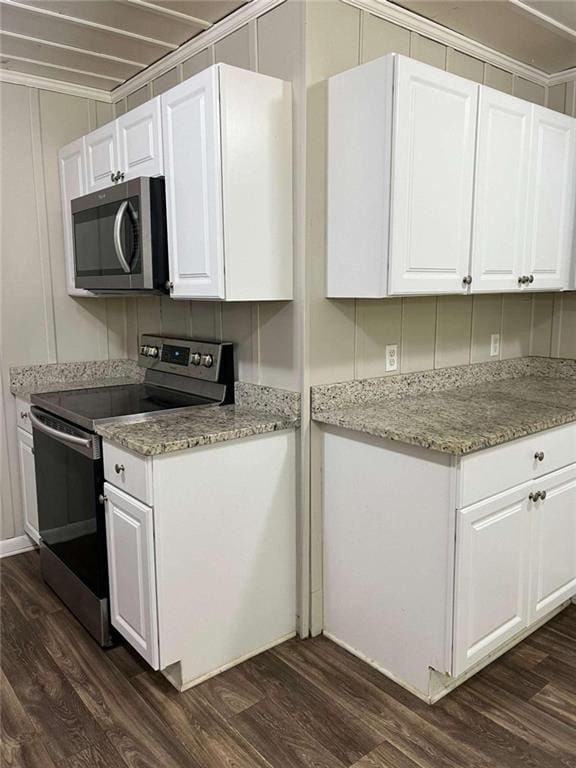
140 141
433 144
72 168
191 132
227 136
551 202
102 161
440 185
501 192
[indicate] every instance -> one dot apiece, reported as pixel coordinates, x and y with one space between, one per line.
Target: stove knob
143 350
207 361
195 358
152 351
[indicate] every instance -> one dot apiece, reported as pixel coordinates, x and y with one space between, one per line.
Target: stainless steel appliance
180 373
119 235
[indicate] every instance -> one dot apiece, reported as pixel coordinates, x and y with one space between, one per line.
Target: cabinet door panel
491 599
140 141
132 572
554 543
501 188
28 483
192 160
432 180
72 167
551 206
101 157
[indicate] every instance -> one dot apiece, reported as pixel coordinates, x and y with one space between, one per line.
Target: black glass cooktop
86 406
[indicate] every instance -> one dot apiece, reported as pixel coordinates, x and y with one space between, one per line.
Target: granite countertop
462 419
192 427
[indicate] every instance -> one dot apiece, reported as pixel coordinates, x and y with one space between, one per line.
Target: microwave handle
117 239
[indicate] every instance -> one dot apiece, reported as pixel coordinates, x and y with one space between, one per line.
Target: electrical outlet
391 357
495 345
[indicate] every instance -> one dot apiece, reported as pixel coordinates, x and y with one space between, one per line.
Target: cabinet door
132 572
102 159
140 141
551 206
192 162
491 579
501 189
554 543
28 483
432 183
72 167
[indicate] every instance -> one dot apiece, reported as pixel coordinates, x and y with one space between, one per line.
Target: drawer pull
539 456
119 468
23 415
543 495
535 496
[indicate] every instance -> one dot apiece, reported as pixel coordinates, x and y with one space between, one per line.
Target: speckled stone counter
192 427
455 410
31 379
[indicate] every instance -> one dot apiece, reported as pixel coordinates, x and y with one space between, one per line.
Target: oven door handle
64 436
117 239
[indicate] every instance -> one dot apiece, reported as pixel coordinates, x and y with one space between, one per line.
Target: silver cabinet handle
118 468
531 279
535 496
113 178
117 239
467 280
543 494
23 415
539 456
102 499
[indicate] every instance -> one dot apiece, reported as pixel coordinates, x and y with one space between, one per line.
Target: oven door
69 480
112 240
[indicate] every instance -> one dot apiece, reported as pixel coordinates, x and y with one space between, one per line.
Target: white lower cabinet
204 575
28 483
554 542
131 566
491 580
434 564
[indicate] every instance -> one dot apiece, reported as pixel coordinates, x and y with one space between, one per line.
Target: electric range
179 373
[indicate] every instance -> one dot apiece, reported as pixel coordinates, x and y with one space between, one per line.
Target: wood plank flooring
68 704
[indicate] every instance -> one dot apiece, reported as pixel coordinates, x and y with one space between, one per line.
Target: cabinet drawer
494 470
129 472
22 415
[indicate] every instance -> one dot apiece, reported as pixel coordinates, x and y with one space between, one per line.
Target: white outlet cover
391 357
495 345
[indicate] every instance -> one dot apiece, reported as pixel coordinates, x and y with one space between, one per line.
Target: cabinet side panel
358 186
389 554
225 550
256 124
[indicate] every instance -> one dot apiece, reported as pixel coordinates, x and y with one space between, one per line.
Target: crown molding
59 86
567 76
415 23
221 29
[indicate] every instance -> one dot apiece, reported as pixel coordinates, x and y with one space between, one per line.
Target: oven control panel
207 360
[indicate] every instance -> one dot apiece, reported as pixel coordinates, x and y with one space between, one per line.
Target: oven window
95 251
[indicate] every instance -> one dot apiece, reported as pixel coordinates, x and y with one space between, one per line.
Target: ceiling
99 43
540 33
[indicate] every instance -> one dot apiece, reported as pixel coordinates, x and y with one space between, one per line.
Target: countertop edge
472 447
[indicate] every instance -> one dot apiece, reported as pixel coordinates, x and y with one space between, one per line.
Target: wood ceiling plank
40 70
50 28
505 28
47 54
208 10
128 18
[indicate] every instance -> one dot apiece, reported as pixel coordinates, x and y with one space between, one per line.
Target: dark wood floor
68 704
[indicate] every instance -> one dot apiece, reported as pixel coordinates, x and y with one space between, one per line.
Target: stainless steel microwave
119 236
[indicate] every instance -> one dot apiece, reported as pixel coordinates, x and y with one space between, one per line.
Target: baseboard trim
16 545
